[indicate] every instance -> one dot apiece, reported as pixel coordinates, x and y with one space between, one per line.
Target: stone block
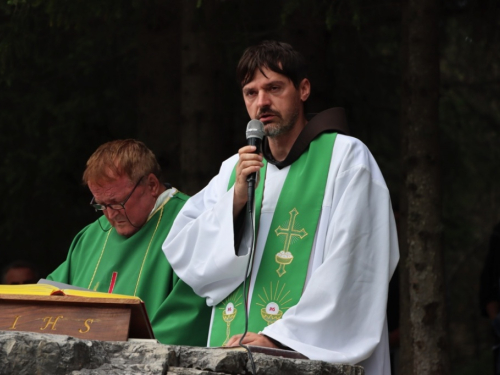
26 353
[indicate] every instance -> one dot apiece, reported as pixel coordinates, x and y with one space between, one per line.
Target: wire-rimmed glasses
114 206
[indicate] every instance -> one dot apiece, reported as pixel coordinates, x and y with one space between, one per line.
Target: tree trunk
405 328
422 266
200 127
158 85
312 43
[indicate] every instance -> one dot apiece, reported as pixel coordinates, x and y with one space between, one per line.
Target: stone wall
34 353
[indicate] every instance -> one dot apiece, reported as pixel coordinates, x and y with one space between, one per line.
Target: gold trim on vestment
147 250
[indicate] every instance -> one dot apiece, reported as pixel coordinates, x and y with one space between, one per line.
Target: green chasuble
136 266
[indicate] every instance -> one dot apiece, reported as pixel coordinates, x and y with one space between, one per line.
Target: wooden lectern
86 315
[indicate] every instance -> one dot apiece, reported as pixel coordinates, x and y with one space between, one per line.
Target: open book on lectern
56 308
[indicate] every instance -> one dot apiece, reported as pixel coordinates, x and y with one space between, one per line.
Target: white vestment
341 315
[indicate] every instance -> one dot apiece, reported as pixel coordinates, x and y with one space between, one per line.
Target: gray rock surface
33 353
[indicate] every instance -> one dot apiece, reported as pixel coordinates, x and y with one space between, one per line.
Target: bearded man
326 243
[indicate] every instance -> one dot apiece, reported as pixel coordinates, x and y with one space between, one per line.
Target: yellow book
51 290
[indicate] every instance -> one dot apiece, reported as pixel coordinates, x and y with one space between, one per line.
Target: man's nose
263 99
110 213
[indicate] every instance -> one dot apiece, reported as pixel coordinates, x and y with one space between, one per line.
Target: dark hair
276 56
20 264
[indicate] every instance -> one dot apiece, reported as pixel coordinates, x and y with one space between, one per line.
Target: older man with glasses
121 251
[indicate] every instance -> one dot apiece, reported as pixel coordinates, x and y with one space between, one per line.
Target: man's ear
304 89
153 184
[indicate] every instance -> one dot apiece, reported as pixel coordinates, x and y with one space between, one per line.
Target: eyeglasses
114 206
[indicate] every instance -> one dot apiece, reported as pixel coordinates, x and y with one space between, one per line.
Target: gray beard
280 128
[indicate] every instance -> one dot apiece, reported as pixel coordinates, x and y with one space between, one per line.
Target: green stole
283 268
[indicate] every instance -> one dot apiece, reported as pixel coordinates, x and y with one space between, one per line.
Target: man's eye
275 88
250 93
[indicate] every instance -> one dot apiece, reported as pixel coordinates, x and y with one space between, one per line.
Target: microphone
255 133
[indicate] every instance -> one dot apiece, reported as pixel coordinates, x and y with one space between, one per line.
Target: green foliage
65 80
470 135
478 364
289 8
470 114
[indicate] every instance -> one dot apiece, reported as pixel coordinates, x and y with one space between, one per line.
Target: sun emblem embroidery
274 303
229 310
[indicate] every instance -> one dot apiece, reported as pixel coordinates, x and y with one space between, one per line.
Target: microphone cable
249 268
254 134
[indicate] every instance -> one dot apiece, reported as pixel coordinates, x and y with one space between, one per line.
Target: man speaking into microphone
325 238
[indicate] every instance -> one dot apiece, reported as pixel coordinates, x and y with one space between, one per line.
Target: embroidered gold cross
284 257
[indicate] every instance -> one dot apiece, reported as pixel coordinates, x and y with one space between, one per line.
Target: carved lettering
87 325
49 321
15 322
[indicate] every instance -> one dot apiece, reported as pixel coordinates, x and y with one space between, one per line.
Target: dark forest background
75 74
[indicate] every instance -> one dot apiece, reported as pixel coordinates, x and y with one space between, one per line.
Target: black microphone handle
252 177
251 195
257 142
